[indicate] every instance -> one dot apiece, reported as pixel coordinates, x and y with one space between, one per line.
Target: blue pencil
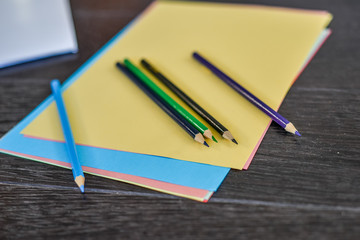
283 122
69 139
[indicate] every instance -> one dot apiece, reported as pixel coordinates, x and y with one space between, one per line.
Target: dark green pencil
224 132
190 129
190 118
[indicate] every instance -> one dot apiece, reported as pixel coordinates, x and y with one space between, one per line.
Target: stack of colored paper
121 134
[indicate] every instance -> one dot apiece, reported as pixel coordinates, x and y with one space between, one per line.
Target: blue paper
174 171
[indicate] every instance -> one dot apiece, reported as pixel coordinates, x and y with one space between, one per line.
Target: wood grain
307 189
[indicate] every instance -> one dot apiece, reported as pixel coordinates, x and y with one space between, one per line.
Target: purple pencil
283 122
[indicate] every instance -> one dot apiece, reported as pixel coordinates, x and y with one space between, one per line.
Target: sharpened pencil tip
213 138
80 181
291 128
234 141
205 143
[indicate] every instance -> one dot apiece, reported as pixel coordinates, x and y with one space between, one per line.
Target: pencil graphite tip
291 128
199 138
80 181
82 188
207 133
205 143
213 138
227 135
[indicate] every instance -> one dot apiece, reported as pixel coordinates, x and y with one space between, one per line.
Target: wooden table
307 189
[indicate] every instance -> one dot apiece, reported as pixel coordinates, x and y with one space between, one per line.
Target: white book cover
35 29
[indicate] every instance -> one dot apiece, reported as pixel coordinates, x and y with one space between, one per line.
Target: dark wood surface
309 188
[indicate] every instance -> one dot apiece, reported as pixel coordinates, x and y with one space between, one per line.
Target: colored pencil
69 139
190 118
283 122
191 130
224 132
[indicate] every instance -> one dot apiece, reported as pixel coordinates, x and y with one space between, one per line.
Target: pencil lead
205 143
291 128
227 135
199 138
207 134
82 189
80 181
213 138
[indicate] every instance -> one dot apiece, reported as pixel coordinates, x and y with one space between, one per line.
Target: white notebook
35 29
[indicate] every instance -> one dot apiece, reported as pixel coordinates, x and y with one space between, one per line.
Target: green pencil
190 118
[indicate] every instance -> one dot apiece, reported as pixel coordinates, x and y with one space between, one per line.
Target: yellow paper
262 48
